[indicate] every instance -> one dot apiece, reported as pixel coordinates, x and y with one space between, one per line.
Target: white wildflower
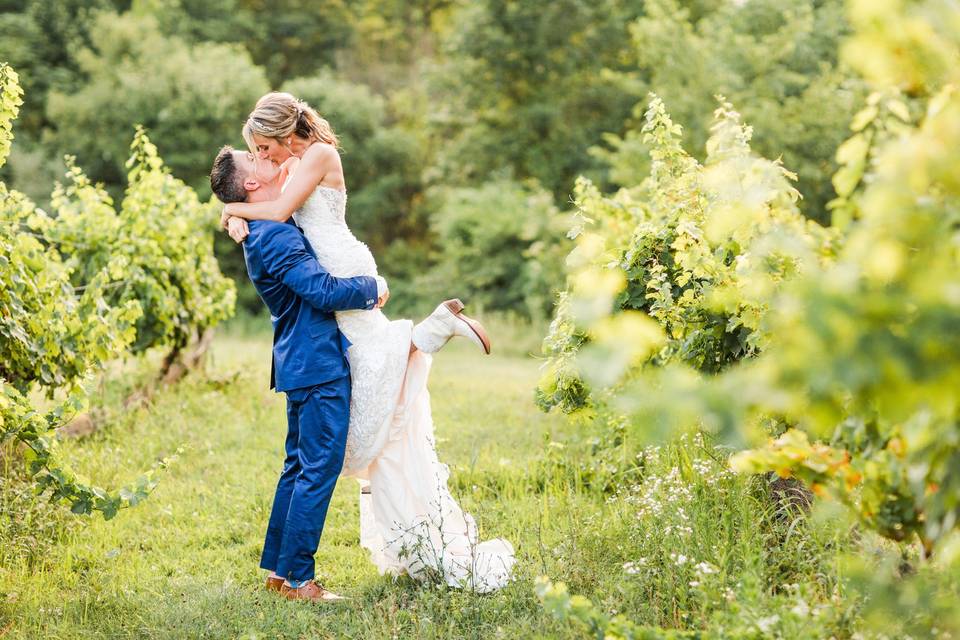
766 624
801 609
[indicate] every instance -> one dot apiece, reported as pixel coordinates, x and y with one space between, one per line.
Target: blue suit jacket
308 348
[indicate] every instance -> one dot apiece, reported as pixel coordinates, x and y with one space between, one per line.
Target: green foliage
526 88
394 41
193 529
287 38
193 98
909 597
440 93
41 39
142 278
885 116
870 362
778 63
859 353
501 245
10 102
162 238
49 335
19 420
558 602
29 529
676 248
866 356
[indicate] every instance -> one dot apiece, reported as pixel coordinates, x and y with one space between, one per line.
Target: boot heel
454 305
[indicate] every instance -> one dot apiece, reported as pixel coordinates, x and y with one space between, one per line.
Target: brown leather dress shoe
274 584
311 591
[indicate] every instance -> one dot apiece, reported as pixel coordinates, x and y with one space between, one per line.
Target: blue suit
310 365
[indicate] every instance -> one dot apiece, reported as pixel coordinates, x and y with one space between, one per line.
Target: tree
394 42
523 88
41 38
287 38
193 99
778 63
501 244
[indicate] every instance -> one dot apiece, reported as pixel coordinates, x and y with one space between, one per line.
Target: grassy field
664 535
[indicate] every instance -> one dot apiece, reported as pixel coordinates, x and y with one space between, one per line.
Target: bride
410 523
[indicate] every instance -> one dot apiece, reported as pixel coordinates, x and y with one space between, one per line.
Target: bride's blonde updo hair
279 115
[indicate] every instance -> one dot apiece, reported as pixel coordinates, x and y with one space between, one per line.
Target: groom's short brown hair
225 179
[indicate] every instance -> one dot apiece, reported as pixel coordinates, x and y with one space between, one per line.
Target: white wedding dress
409 521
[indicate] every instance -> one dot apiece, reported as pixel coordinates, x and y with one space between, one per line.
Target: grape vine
88 285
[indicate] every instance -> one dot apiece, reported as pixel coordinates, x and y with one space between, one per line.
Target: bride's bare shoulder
323 153
325 160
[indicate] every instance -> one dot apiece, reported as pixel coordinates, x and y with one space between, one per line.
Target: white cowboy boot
445 322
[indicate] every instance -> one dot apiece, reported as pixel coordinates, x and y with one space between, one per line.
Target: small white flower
801 609
766 624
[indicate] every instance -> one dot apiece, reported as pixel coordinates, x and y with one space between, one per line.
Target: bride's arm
317 161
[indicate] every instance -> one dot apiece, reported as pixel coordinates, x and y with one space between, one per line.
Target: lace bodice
323 219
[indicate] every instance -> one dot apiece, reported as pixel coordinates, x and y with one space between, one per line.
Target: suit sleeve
285 257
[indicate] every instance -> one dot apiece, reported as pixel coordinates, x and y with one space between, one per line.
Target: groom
309 365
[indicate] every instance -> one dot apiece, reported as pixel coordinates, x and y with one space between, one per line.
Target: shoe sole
456 307
325 596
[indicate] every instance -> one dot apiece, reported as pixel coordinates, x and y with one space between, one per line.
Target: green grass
184 563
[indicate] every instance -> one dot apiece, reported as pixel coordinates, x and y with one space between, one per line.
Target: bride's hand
238 229
383 291
224 217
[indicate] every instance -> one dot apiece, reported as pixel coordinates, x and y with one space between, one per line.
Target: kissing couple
355 381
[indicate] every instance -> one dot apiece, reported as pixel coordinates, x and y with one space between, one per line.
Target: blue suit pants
317 421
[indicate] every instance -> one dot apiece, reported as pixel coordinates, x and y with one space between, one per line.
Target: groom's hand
238 229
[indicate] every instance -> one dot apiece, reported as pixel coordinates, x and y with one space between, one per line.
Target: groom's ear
250 184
